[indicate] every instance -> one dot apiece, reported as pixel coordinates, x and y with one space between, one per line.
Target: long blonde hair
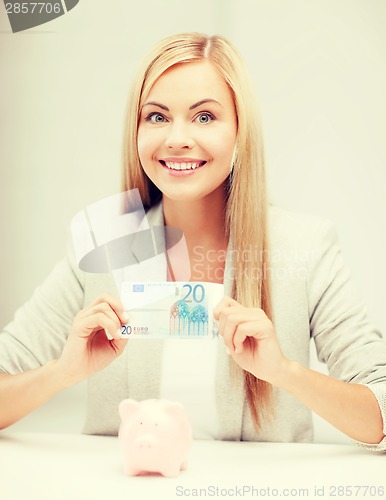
246 210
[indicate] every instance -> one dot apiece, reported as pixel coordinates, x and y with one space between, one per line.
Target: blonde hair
246 210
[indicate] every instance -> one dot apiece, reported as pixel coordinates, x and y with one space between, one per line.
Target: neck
202 221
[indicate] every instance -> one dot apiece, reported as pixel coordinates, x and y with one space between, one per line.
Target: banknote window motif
187 321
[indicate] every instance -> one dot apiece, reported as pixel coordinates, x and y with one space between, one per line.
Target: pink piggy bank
155 436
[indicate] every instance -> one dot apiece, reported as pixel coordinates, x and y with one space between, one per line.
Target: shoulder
293 229
299 238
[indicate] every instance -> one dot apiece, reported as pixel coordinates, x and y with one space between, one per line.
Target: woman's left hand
251 339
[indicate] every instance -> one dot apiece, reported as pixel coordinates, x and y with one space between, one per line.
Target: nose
146 441
179 137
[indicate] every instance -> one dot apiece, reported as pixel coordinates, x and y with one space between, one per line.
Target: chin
185 197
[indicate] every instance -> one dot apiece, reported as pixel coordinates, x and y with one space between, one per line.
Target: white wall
319 71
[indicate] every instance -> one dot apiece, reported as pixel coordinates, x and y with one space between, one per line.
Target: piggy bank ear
178 412
127 408
173 408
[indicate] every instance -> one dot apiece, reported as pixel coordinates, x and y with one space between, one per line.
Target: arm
353 349
86 351
346 340
351 408
33 339
55 342
22 393
251 340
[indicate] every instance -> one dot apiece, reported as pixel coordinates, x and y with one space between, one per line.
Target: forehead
192 81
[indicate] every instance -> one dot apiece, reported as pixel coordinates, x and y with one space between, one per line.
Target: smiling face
187 132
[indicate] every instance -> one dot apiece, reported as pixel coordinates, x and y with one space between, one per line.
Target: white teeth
182 165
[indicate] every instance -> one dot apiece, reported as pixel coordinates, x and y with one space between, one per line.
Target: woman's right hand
88 350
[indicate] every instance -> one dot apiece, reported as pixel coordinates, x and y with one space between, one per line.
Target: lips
182 165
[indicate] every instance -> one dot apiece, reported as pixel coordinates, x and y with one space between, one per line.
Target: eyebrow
193 106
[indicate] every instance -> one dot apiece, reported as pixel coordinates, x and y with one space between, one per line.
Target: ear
177 410
127 408
174 409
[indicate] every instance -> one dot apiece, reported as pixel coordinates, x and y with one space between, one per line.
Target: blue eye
205 118
155 118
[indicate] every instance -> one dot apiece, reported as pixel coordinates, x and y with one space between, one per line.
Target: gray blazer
312 297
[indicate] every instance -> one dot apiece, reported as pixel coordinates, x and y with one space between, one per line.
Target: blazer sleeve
346 340
41 326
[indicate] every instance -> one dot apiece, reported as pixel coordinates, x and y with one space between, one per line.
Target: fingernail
108 335
227 350
125 317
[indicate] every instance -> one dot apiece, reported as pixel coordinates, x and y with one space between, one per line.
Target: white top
188 376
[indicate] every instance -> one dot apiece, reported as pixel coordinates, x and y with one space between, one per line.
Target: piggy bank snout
146 441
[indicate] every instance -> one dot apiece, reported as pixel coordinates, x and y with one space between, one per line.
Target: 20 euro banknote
170 309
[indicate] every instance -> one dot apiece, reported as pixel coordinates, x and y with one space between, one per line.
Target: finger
102 341
104 308
100 321
233 316
230 319
224 302
119 344
109 309
248 329
116 305
114 332
117 335
259 329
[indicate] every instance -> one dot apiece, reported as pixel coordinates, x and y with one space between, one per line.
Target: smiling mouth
172 165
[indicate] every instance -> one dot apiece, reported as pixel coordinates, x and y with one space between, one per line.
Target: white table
61 466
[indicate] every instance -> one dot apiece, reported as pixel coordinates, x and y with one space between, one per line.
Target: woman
194 150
